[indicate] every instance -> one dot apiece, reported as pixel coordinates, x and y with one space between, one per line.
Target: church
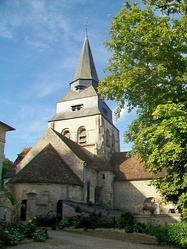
77 161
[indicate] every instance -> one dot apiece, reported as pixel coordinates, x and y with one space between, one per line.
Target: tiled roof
47 167
101 164
11 172
130 168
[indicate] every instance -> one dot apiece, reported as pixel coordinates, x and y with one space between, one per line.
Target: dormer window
79 88
105 111
76 107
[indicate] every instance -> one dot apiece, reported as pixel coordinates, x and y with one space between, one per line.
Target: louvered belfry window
82 136
66 133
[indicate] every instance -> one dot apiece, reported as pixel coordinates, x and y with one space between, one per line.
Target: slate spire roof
86 67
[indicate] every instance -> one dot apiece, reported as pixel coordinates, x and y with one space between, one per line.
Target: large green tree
148 71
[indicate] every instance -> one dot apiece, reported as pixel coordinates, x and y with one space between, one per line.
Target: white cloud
5 32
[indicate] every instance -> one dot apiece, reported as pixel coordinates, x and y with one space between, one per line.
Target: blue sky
40 43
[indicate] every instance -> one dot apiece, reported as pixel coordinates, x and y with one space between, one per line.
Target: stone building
3 201
78 159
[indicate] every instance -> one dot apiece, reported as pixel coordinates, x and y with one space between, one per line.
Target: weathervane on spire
86 26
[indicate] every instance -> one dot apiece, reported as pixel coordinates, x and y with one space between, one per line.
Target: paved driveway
68 240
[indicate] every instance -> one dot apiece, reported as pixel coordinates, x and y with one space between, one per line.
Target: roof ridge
36 176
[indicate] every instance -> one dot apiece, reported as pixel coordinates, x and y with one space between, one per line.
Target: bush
161 234
40 235
67 222
125 220
128 229
105 222
177 233
87 222
140 227
12 234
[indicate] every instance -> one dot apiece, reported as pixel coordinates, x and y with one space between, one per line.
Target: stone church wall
131 195
62 149
105 181
90 184
47 195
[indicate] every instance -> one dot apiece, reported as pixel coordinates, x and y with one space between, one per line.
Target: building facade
78 161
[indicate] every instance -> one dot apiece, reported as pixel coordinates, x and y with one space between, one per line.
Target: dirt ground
137 238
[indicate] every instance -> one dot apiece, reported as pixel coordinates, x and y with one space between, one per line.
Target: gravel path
68 240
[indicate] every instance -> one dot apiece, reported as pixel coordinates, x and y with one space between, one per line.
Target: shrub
86 222
11 236
161 234
177 233
128 229
105 222
150 228
40 235
125 219
67 222
140 227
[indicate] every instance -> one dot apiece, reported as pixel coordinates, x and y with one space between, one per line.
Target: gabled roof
86 67
76 148
100 163
130 168
97 162
11 172
6 127
47 167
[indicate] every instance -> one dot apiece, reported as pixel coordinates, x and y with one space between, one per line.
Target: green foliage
91 221
125 220
40 235
161 234
9 237
128 229
87 222
177 233
67 222
105 222
147 71
6 165
169 6
140 227
12 234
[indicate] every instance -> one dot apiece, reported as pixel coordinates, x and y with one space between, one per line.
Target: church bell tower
81 115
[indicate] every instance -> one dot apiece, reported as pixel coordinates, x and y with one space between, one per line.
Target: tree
6 165
148 71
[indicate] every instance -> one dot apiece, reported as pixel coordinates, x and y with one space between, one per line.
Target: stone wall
47 196
131 195
157 219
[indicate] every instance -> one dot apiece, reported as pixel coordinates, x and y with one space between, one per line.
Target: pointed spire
86 67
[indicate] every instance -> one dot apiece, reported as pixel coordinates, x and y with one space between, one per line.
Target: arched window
66 133
82 135
107 137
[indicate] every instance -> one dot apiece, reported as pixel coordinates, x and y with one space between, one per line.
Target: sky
40 44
